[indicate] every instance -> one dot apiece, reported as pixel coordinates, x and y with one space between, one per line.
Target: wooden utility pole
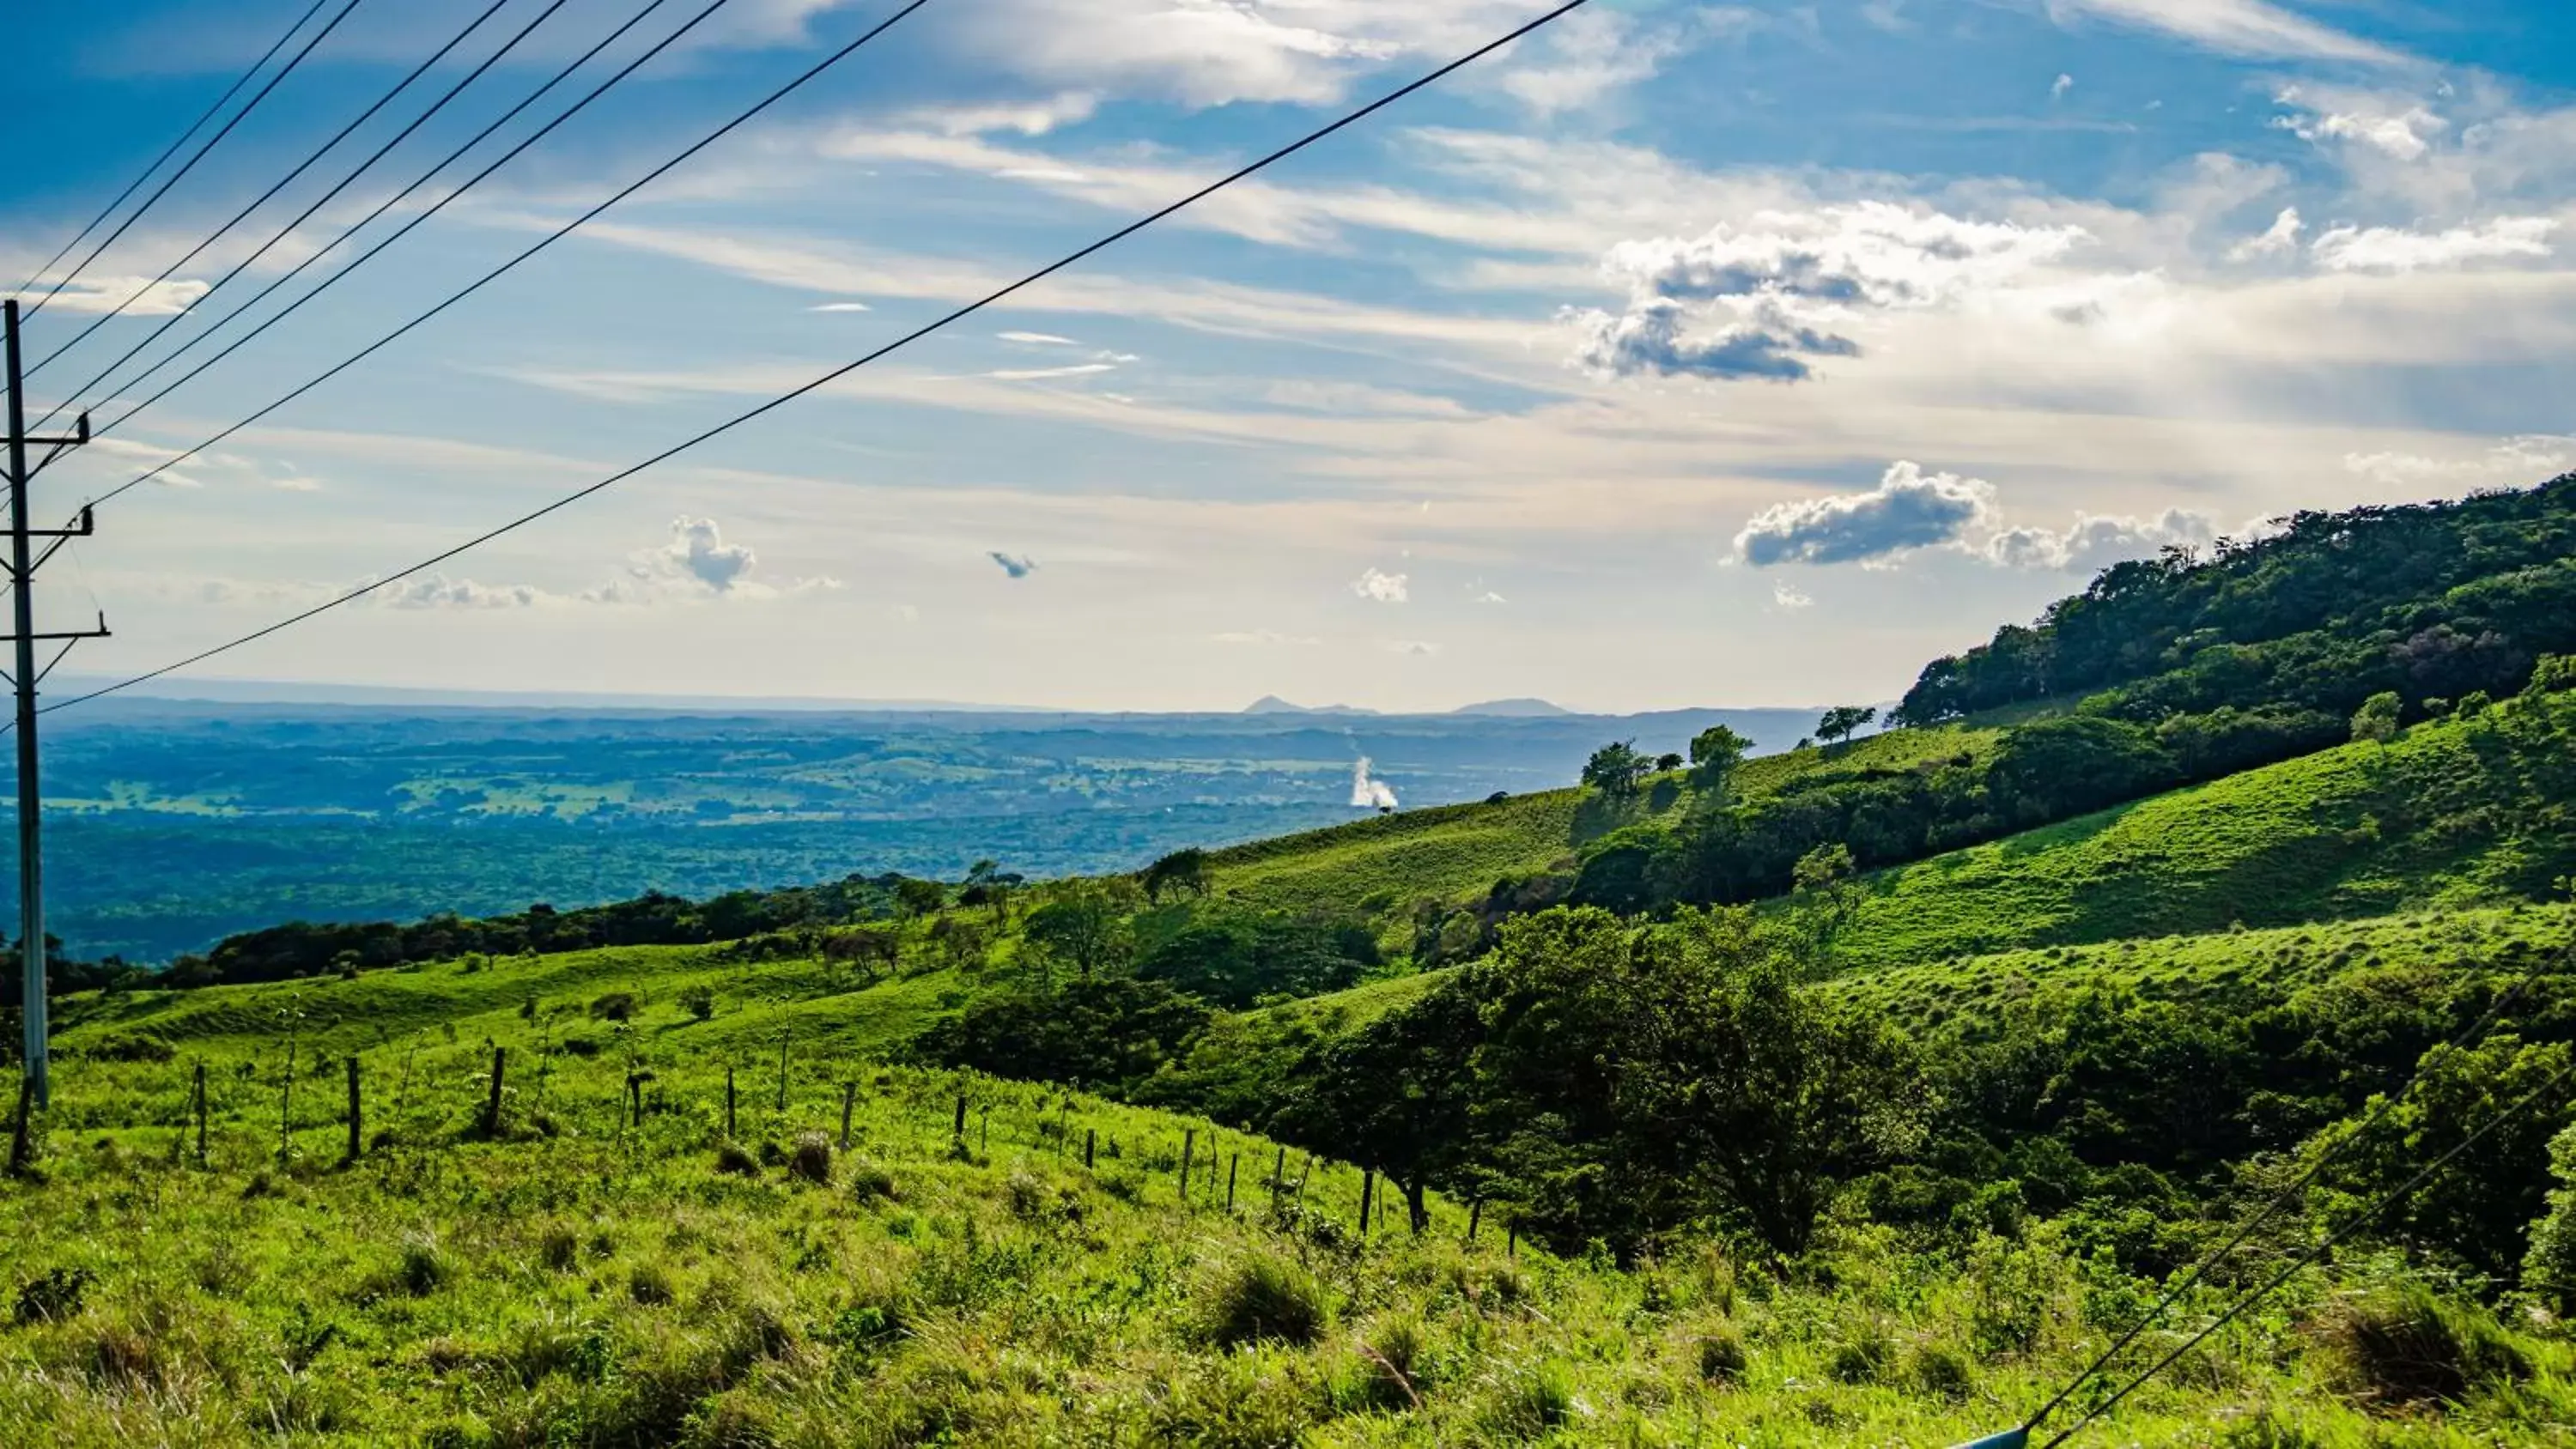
24 678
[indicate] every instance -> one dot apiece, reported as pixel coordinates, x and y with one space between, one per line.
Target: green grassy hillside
2454 813
1458 851
578 1279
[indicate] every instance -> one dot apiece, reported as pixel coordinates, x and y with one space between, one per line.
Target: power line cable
211 143
326 198
282 182
2352 1225
388 204
496 273
2326 1158
172 149
969 309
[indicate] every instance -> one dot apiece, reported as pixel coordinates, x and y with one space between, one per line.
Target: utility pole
24 679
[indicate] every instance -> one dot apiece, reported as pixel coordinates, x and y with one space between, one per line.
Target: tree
2376 720
1823 901
1715 754
987 884
1616 769
919 897
1398 1094
1843 721
1667 763
1084 926
1181 872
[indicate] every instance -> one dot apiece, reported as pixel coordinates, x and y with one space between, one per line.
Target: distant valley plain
172 823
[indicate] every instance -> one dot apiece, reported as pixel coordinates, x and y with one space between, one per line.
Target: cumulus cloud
2280 238
1649 340
1909 509
2097 541
1788 598
1756 301
2405 133
2399 249
2058 88
438 591
1016 567
1382 588
697 550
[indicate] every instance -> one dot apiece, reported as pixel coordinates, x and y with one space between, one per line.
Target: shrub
2410 1345
811 1159
53 1295
615 1006
649 1284
1722 1359
732 1157
870 1181
1393 1350
1261 1298
560 1248
1939 1371
424 1269
1532 1399
699 1000
1862 1358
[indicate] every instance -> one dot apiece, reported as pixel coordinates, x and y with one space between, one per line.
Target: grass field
579 1279
2451 815
1384 864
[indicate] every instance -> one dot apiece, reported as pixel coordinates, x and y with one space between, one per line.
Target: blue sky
1682 355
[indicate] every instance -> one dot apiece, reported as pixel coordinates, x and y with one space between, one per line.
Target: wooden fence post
492 1109
635 1095
286 1102
1231 1164
1189 1145
958 1132
782 1071
729 1132
1475 1215
1368 1194
849 1098
1090 1140
354 1120
201 1115
1278 1179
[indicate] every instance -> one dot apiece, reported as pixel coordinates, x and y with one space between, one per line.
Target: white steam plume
1368 794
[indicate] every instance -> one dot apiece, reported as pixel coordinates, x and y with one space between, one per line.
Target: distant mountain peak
1515 709
1273 704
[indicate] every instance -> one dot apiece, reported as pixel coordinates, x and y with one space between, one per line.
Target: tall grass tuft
1262 1297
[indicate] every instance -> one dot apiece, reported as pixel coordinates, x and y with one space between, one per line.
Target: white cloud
1383 588
1037 339
1596 53
1909 509
133 296
2095 541
698 550
842 307
2251 28
1786 597
1488 596
1040 374
2281 238
438 591
1412 647
2516 461
2399 249
1756 301
2058 88
2405 134
1026 118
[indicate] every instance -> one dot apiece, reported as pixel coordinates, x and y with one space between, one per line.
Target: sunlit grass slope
578 1279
